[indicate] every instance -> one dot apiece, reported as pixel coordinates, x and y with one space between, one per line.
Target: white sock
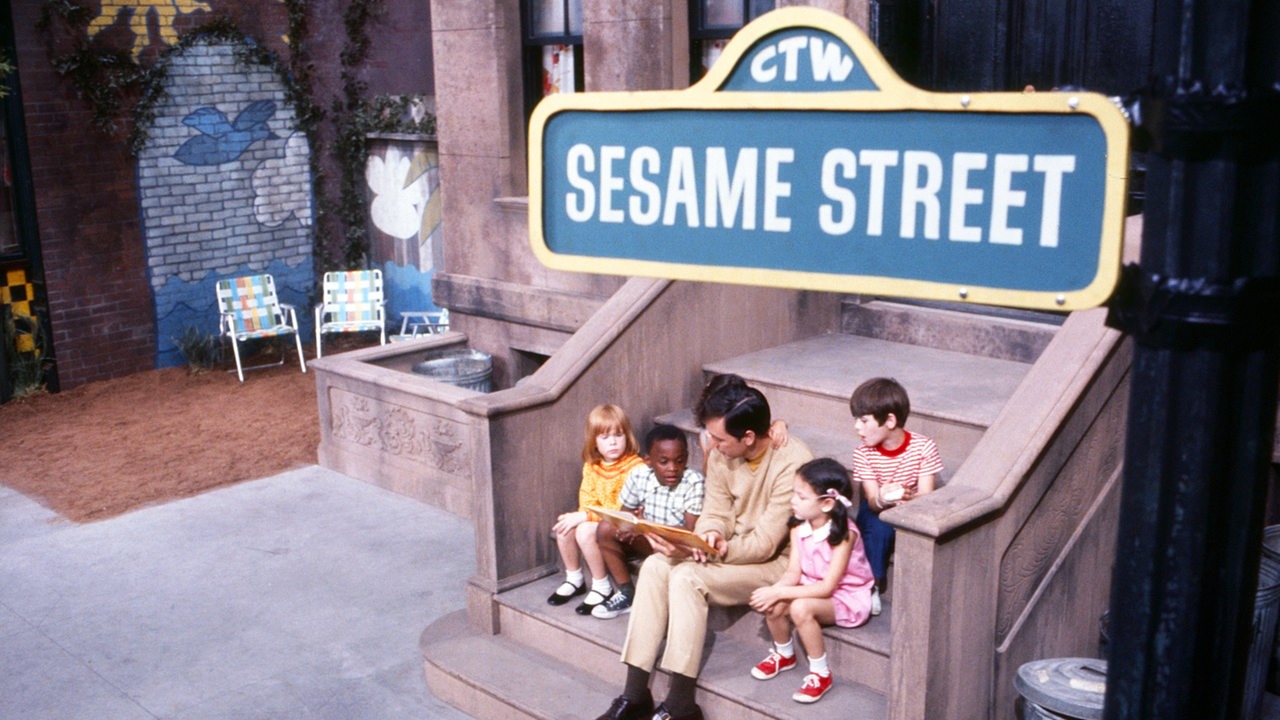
819 665
602 586
788 650
574 577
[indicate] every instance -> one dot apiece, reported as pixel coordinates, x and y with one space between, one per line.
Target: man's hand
660 545
716 541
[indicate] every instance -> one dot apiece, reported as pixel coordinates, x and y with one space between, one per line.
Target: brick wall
104 271
87 216
224 191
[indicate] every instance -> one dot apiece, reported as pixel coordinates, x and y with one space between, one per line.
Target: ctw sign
802 160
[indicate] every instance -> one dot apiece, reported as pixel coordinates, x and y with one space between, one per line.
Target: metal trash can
467 368
1062 689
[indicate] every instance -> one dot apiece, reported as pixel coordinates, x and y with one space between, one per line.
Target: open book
677 536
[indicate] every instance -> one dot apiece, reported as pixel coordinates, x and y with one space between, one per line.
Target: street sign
803 161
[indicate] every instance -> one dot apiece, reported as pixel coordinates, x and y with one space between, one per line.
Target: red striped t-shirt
916 457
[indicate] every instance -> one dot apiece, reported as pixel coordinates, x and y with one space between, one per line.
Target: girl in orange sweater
609 452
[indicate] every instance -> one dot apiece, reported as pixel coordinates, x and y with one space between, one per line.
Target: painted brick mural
225 191
403 177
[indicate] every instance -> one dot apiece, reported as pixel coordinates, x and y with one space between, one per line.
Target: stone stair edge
528 600
1036 322
464 665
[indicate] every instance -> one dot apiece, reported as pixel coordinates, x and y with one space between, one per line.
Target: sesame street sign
802 160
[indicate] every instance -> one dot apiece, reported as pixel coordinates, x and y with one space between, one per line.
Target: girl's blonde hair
604 418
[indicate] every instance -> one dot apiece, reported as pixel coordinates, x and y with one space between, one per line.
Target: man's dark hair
661 432
742 407
714 385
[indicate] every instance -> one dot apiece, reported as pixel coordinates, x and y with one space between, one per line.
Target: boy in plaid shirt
663 490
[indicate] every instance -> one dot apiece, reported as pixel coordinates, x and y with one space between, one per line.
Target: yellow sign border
894 94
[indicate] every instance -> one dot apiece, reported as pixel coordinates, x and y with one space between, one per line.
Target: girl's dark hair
825 475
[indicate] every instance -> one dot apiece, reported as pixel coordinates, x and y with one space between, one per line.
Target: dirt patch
109 447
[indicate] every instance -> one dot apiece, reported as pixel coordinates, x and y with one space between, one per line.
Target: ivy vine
6 67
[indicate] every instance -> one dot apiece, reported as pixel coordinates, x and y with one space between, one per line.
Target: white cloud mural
281 186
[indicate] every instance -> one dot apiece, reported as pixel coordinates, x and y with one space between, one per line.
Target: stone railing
1011 560
510 460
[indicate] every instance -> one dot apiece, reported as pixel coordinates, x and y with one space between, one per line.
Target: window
712 23
552 48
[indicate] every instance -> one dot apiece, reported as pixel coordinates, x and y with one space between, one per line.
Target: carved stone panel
399 431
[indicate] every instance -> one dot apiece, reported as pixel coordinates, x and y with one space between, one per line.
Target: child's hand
891 495
778 433
764 598
568 521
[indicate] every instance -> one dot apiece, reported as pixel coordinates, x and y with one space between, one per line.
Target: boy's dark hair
742 407
825 475
714 385
661 432
878 397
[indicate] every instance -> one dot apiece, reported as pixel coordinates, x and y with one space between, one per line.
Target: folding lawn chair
248 307
351 301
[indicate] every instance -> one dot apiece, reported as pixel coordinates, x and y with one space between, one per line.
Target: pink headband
837 496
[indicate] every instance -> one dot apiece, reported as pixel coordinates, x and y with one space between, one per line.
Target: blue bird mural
220 141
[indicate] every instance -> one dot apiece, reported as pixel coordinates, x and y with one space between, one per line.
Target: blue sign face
810 165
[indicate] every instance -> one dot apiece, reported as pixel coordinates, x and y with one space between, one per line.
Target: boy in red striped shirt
892 465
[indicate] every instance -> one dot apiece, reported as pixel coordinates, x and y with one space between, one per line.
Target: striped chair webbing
353 296
251 303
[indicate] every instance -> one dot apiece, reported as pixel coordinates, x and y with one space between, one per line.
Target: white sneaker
875 602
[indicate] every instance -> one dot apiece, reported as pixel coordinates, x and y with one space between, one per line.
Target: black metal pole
1203 309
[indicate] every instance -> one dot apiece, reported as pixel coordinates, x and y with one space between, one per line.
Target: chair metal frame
248 308
423 322
351 301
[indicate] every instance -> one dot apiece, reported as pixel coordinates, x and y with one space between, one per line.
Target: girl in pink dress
828 582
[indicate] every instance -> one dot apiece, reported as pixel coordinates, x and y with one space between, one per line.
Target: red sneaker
772 665
814 687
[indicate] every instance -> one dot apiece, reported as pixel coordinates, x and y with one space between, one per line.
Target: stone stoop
1006 334
549 662
954 396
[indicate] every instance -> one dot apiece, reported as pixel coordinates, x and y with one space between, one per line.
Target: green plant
26 367
6 67
202 351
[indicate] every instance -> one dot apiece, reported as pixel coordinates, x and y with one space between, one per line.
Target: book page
677 536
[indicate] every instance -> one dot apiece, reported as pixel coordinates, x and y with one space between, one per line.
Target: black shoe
662 713
558 599
589 603
624 709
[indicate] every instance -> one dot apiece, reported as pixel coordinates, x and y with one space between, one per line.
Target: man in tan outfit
744 517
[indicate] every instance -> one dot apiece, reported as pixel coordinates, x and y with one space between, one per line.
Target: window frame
532 45
700 33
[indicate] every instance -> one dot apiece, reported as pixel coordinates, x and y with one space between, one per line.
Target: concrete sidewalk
298 597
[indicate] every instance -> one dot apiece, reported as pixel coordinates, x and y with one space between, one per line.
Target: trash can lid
1074 687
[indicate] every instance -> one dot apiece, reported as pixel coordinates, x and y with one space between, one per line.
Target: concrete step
954 396
489 676
552 663
1019 335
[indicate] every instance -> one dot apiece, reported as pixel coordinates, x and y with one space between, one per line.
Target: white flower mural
281 186
397 207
